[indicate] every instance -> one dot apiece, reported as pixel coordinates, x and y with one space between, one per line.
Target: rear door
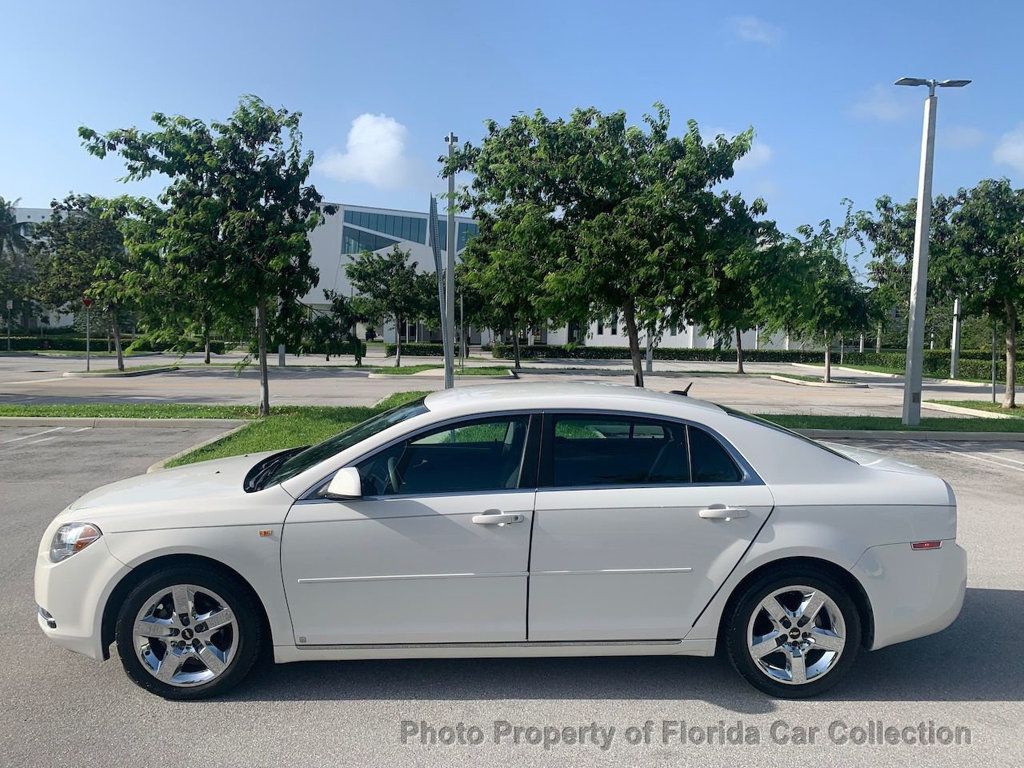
637 522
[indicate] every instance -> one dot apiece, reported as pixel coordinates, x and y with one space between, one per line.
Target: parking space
62 709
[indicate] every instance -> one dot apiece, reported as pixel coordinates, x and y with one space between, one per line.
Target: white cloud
1010 149
960 136
881 103
751 29
760 155
374 154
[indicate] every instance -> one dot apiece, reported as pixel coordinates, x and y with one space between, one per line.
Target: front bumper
913 593
73 593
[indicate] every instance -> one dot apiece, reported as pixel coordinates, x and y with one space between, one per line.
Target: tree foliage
234 238
390 288
629 206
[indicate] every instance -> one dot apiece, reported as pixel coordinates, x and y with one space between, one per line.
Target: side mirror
344 485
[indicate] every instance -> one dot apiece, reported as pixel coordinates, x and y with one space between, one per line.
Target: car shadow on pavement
934 668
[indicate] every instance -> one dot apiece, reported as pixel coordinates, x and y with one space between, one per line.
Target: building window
615 324
411 228
600 327
357 241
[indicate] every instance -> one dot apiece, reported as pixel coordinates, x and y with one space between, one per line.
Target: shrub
549 351
417 349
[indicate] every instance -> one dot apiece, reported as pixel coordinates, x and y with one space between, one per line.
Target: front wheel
793 634
188 633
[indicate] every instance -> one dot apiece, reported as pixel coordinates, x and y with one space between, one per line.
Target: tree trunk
261 347
629 315
828 360
739 351
115 330
206 344
878 340
515 349
1010 395
398 342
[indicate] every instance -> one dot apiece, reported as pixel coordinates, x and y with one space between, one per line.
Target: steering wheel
396 481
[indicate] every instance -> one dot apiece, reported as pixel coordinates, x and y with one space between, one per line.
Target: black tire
247 641
742 609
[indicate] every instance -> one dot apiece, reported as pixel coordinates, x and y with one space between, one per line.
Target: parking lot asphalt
65 710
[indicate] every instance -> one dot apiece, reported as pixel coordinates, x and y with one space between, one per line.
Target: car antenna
682 392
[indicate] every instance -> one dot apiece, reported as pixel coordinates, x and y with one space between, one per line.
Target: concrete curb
976 412
90 421
921 434
127 372
157 466
857 371
829 384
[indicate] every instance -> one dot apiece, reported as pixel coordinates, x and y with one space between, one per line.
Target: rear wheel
793 634
188 633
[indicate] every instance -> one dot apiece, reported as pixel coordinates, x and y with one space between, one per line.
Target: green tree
740 280
504 266
392 289
333 332
631 206
834 302
986 264
80 252
239 211
17 272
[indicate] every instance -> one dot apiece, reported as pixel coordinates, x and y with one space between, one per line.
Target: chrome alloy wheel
185 635
796 635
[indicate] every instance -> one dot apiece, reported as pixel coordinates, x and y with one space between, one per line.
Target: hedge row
417 349
77 344
548 351
974 364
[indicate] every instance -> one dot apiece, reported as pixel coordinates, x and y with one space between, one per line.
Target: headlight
71 538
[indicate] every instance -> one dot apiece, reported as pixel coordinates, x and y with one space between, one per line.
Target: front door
436 551
636 524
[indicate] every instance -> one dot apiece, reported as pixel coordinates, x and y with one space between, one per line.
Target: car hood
203 480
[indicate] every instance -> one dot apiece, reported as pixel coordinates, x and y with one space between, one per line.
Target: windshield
313 455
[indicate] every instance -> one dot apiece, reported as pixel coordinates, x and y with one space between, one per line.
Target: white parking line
34 434
43 440
81 429
952 449
999 457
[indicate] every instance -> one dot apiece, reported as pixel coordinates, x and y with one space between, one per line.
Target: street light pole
449 292
954 343
919 276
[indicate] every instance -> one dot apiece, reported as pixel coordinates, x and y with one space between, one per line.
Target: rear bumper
913 593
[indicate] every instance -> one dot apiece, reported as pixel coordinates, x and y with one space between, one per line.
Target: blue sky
380 84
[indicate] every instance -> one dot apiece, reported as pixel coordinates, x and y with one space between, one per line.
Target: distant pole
87 303
919 276
919 280
462 332
449 298
88 352
10 306
954 344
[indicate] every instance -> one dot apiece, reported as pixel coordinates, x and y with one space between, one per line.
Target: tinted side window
710 461
478 455
611 450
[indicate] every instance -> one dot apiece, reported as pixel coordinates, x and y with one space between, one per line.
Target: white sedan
515 520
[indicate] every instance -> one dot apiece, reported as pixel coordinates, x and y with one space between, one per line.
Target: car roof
585 395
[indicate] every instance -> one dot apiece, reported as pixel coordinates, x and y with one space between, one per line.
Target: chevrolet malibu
511 520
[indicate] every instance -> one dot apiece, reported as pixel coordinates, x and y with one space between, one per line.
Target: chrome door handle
494 517
723 512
